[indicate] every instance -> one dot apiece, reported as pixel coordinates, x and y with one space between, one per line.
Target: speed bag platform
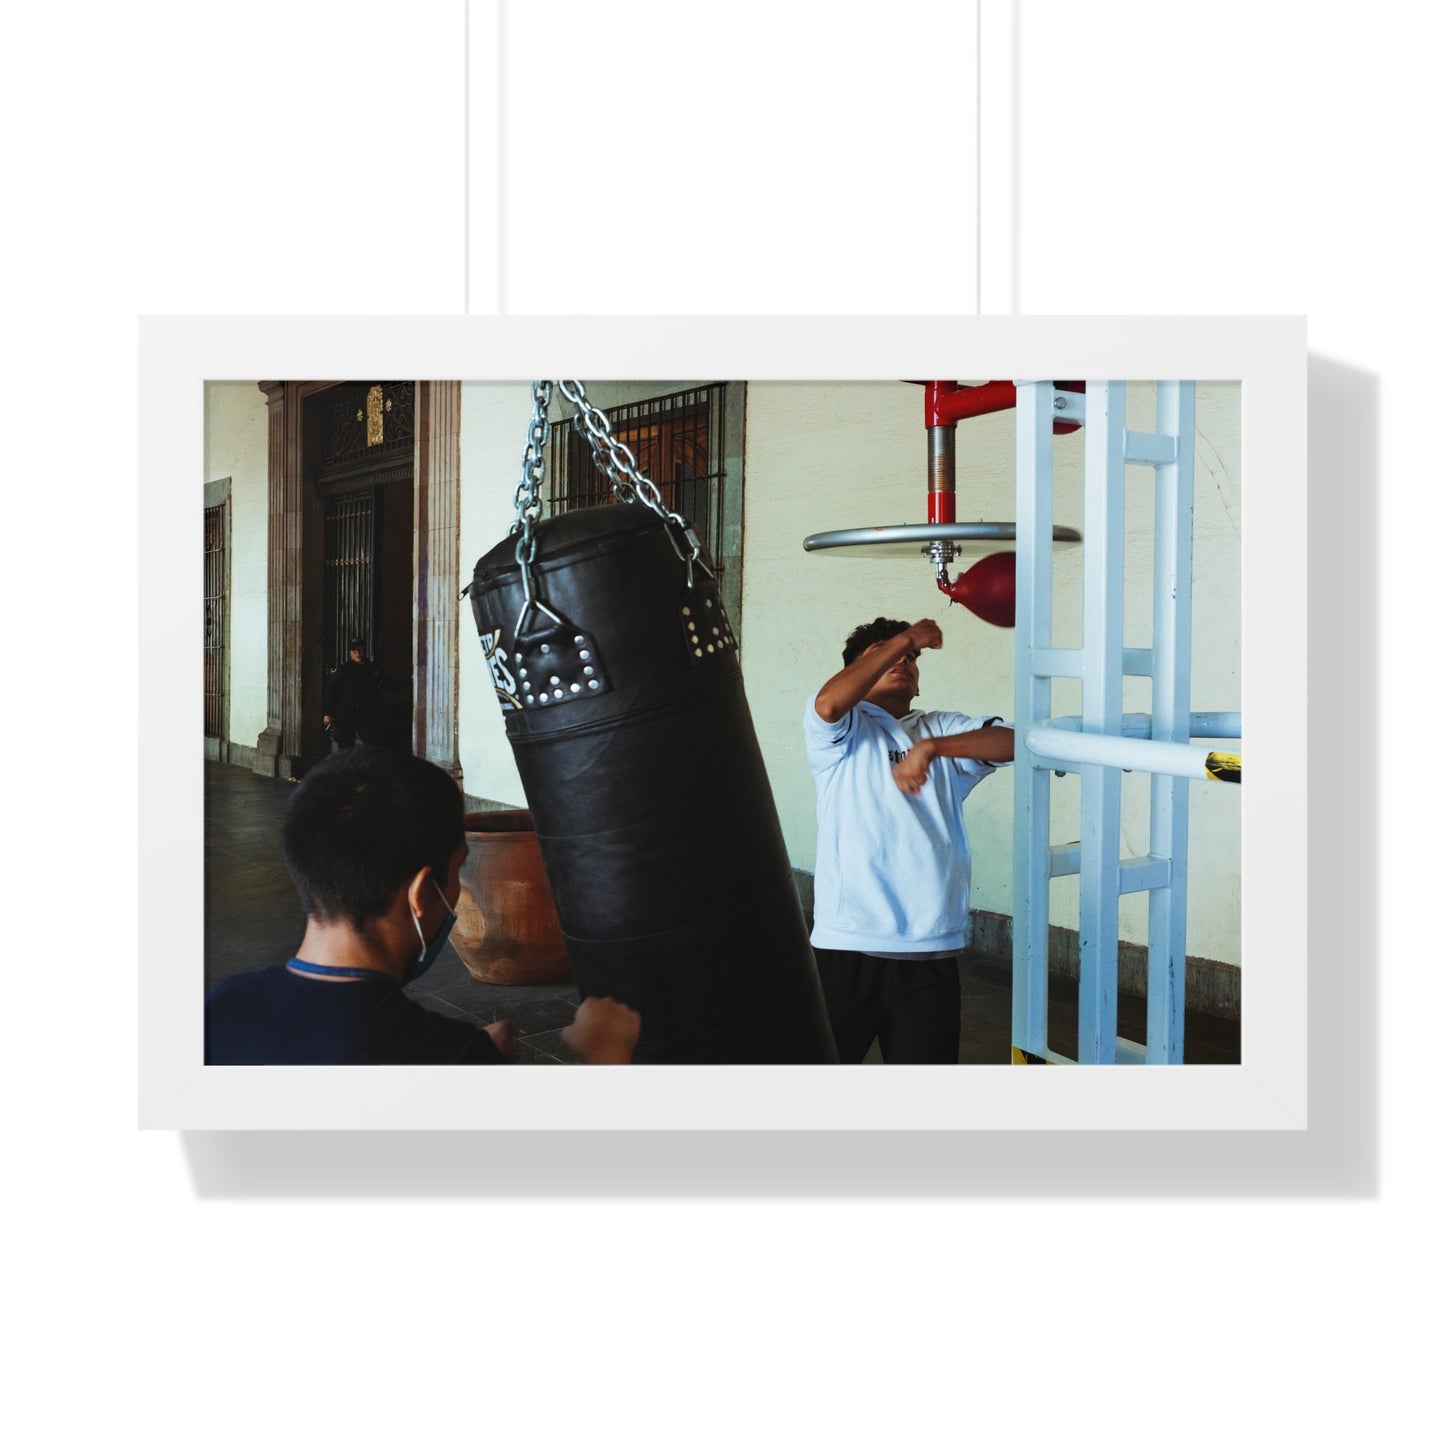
624 705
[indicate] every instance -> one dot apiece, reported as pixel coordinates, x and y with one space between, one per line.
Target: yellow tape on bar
1224 767
1022 1056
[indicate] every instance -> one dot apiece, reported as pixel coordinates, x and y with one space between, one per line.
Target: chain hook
528 500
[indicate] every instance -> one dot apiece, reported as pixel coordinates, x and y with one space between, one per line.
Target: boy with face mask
374 841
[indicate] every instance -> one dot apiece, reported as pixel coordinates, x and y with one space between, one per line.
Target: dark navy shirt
274 1016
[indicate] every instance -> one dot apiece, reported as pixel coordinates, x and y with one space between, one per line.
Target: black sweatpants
910 1007
347 732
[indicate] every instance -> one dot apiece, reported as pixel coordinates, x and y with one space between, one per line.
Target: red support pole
945 404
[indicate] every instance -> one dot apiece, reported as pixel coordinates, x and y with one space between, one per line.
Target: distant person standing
352 700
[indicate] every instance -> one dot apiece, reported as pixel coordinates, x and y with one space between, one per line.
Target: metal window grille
215 618
364 421
678 443
349 568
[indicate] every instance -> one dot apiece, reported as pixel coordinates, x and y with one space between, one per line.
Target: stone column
269 759
436 568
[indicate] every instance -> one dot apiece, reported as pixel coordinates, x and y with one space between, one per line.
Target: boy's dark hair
361 824
879 630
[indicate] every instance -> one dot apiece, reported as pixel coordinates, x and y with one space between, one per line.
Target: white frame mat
1267 1091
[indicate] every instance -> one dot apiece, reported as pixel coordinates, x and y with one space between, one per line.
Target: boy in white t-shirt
890 894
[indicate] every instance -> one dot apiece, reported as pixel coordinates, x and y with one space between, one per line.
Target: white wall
236 447
823 457
493 437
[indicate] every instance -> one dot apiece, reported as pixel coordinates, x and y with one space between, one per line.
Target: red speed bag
987 589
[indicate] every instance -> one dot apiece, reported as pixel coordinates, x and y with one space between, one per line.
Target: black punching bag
624 705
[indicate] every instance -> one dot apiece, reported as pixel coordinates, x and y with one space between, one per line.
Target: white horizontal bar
1057 662
1069 406
1150 448
1139 875
1069 662
1136 875
1141 725
1055 746
1050 1057
1126 1051
1215 725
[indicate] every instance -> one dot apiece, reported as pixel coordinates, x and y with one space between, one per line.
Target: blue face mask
429 951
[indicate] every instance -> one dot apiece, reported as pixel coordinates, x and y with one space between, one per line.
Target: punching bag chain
529 501
613 458
534 467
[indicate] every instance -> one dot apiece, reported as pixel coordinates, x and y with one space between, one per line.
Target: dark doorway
359 448
215 622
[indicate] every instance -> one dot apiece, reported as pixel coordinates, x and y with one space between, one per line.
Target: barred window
689 445
348 566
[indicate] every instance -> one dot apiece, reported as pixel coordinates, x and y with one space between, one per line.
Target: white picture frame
1267 1091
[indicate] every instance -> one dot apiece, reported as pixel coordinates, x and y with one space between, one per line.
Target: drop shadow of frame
1337 1156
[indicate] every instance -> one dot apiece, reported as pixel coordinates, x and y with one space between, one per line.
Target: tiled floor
253 919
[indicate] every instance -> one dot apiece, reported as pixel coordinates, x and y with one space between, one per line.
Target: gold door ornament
374 409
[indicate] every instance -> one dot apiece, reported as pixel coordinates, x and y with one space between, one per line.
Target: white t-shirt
893 868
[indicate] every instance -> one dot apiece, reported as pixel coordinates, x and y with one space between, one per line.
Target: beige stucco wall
236 448
823 457
493 436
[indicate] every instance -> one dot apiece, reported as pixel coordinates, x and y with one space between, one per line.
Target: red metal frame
945 404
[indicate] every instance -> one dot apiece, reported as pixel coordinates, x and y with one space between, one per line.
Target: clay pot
506 930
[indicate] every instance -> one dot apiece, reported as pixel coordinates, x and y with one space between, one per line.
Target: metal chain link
613 457
534 468
616 459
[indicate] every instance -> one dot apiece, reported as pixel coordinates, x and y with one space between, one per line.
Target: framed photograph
808 435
